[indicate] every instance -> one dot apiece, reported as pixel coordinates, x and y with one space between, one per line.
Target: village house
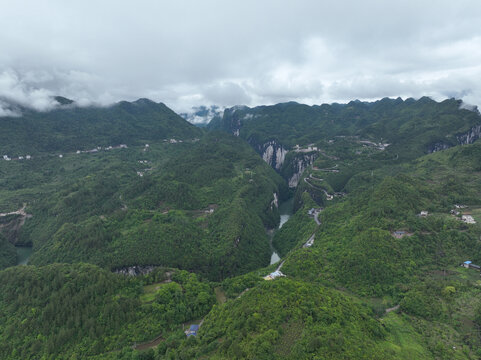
469 265
274 275
28 157
210 209
313 211
192 330
468 219
423 213
309 242
399 234
309 148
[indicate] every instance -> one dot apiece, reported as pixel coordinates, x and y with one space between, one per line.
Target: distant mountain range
71 128
202 115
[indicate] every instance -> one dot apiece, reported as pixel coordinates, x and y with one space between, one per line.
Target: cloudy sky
190 53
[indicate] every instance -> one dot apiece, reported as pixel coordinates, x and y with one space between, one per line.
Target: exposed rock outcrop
300 163
135 270
467 138
11 223
275 202
272 153
438 147
471 136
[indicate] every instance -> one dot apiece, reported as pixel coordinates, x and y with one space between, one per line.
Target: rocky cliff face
438 147
463 139
471 136
135 270
300 163
272 152
231 121
275 202
10 225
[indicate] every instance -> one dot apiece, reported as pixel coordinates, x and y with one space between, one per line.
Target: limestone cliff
272 153
299 164
466 138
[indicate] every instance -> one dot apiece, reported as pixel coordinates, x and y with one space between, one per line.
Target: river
23 254
285 210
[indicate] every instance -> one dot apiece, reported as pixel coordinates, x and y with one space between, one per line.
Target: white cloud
15 88
191 53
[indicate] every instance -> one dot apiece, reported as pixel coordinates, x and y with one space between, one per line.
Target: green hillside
70 128
420 123
211 197
380 278
386 130
78 311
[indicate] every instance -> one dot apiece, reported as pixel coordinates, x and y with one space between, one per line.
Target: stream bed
23 254
285 210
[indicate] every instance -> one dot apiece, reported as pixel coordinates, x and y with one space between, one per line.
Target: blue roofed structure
468 264
192 330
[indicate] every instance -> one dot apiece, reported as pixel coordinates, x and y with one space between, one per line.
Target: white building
468 219
274 275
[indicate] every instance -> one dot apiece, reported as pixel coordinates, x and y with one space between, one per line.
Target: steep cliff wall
272 153
471 136
466 138
299 164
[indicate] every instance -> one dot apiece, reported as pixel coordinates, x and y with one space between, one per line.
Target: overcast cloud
191 53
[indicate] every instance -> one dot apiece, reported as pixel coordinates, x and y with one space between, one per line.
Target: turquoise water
285 210
23 254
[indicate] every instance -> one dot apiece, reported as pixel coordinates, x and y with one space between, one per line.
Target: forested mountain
405 129
388 206
424 122
159 205
72 128
374 252
202 115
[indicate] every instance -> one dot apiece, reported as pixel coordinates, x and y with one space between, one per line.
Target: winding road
18 212
328 196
